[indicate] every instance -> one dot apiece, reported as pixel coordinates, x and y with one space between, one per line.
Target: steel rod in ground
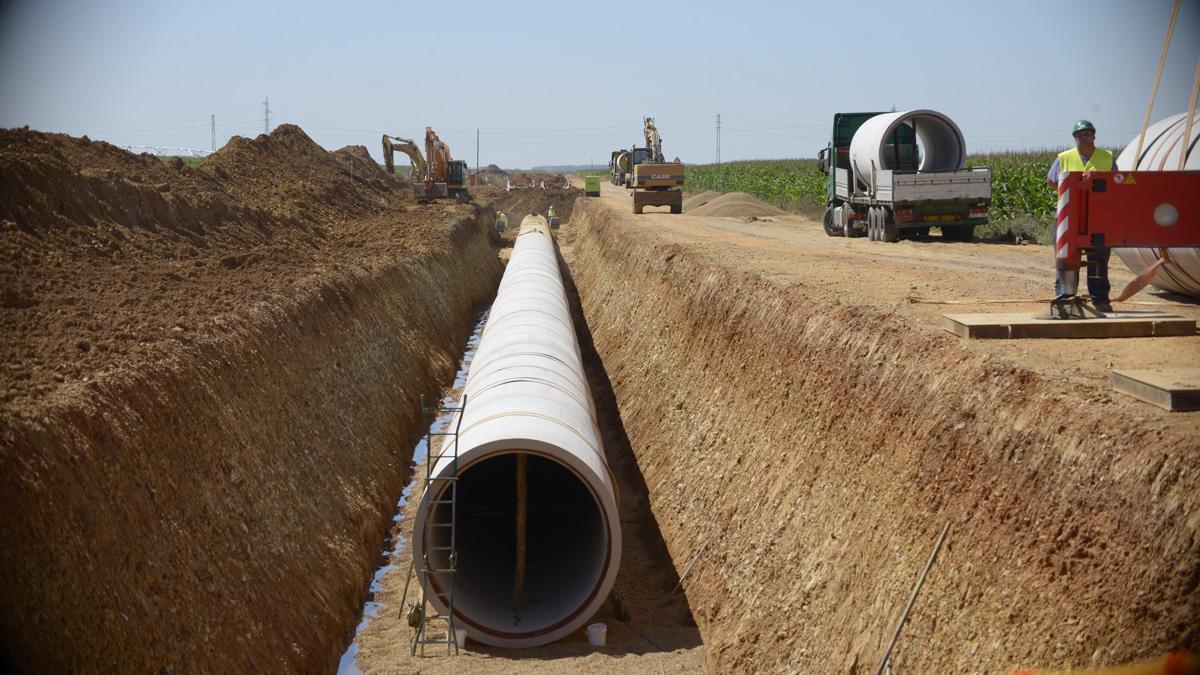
912 599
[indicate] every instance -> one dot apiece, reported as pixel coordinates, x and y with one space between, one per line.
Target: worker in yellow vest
1085 156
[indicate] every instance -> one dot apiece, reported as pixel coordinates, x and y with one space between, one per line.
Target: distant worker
1085 156
551 214
502 221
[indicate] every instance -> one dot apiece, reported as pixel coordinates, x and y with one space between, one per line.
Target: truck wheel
847 228
872 229
966 233
677 208
888 231
830 227
950 232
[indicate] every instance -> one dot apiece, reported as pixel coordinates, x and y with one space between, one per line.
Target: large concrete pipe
1160 152
941 144
537 531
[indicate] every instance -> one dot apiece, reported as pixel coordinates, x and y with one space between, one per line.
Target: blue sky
566 82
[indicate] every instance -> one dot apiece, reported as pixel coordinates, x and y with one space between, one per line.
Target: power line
718 138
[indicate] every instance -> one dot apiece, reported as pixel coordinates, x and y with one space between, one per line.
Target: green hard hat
1082 125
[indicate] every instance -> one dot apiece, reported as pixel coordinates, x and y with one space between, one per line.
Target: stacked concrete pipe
1160 152
532 473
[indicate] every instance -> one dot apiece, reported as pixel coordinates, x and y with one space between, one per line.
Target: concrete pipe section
537 530
1160 152
941 143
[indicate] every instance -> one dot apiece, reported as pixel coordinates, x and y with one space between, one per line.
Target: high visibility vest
1068 161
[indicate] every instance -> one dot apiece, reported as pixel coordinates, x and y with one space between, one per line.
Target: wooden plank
1170 388
1022 326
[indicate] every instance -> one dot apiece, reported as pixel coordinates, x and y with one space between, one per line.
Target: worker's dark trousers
1097 279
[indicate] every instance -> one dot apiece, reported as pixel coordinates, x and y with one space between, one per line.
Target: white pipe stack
942 144
1161 151
526 393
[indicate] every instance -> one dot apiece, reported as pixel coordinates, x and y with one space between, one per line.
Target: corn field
1022 203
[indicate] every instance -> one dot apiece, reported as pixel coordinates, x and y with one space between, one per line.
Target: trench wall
821 449
222 509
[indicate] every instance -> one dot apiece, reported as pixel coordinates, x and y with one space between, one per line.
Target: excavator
392 144
445 177
436 173
654 180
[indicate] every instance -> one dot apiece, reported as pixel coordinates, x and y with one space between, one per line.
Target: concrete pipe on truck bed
528 411
1160 152
942 145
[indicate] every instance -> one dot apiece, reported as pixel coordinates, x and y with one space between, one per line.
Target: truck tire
888 231
872 226
847 228
831 228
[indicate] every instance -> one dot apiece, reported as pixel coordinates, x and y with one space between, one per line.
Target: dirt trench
206 418
818 449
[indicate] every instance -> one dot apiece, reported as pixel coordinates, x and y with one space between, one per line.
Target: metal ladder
419 613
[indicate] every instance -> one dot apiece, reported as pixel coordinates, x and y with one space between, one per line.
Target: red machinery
1120 209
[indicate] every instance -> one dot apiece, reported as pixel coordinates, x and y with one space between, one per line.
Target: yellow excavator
392 144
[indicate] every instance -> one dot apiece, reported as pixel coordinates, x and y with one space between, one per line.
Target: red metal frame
1124 209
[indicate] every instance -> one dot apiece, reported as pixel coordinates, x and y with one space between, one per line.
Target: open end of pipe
567 547
939 145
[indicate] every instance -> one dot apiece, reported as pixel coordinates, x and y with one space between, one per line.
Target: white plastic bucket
460 636
597 634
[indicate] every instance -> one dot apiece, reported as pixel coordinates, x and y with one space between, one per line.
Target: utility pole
213 118
266 116
718 138
477 151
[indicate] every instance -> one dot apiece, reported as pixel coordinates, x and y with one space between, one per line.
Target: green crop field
190 161
1022 204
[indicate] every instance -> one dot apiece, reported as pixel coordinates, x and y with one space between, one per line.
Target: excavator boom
391 144
653 140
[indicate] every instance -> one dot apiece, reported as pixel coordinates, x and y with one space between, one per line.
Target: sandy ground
922 280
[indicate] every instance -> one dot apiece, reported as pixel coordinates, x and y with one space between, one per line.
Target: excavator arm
653 140
408 147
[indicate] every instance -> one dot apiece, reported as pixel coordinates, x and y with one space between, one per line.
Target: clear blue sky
564 82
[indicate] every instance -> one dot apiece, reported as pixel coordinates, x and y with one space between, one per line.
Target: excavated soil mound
520 203
814 451
493 175
210 381
106 253
699 199
735 205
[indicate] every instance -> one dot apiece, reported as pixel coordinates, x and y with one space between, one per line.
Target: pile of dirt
106 253
194 361
534 201
734 205
699 199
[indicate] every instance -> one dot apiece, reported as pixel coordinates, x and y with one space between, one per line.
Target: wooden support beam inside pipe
522 507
